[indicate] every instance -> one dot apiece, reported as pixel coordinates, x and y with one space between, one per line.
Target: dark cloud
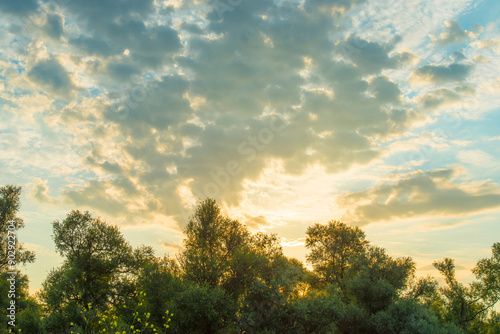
149 45
157 105
122 71
441 73
20 8
95 46
434 193
369 57
54 26
385 90
51 75
101 12
112 27
326 6
439 97
192 28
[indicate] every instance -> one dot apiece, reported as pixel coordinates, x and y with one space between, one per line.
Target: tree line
228 280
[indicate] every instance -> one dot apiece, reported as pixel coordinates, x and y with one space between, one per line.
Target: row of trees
228 280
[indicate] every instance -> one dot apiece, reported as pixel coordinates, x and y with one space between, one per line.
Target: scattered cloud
493 44
437 74
452 34
439 97
300 242
39 192
444 225
476 157
436 193
172 246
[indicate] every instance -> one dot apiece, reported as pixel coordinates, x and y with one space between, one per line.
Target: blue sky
383 114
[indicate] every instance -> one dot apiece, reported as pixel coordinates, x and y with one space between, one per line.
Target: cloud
257 222
385 90
110 28
95 46
435 193
438 98
51 75
187 97
444 225
219 105
39 193
476 157
122 71
458 267
370 57
437 74
54 26
293 243
493 44
452 34
172 246
98 196
330 6
20 8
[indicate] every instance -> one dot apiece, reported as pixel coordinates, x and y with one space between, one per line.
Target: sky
383 114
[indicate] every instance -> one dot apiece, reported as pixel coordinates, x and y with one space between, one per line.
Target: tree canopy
228 279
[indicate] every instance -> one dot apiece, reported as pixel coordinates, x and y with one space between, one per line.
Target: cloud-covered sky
381 113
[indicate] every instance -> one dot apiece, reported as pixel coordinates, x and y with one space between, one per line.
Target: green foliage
96 271
160 282
228 280
487 272
202 309
332 247
375 279
314 312
411 318
27 311
211 242
109 322
95 255
468 306
10 204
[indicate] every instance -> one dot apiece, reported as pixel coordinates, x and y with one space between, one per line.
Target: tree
160 282
97 260
410 318
468 306
458 303
211 242
332 248
220 253
202 309
487 287
9 222
12 253
375 279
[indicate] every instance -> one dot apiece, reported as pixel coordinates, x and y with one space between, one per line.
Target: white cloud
476 157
